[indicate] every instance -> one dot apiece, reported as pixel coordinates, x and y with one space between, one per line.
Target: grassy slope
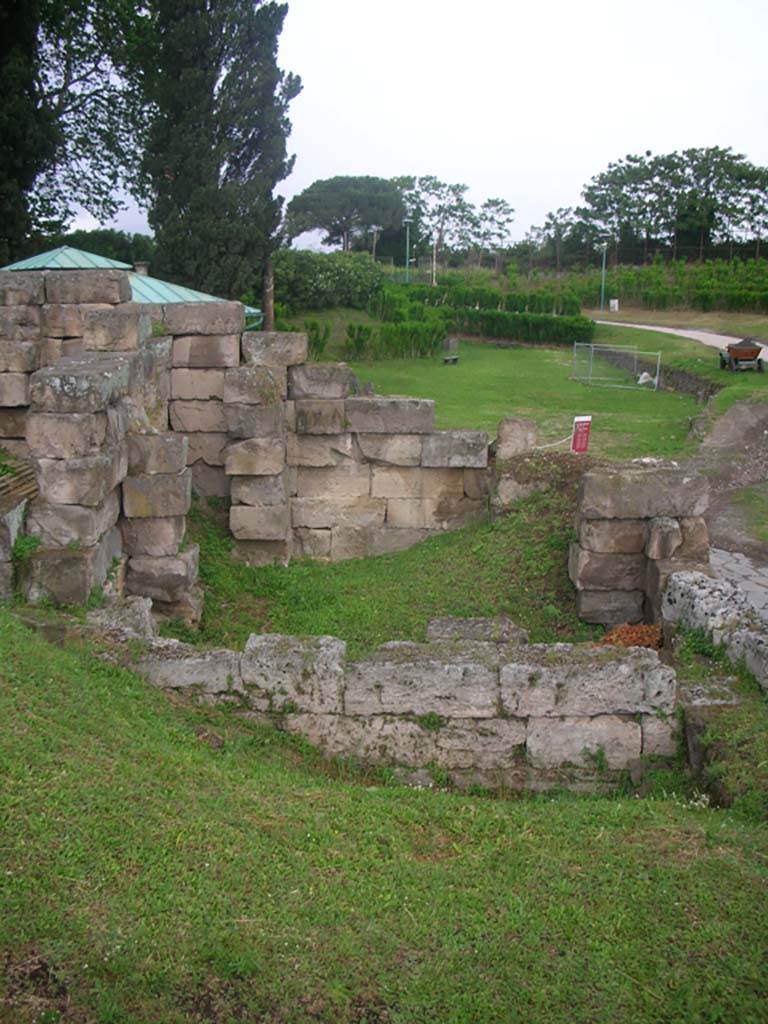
148 877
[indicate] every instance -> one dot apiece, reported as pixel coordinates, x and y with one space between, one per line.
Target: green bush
306 281
533 328
317 337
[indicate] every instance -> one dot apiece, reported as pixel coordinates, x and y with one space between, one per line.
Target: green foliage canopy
346 208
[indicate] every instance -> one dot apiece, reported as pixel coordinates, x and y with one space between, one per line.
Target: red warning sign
580 436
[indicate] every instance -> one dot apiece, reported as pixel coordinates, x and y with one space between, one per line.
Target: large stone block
254 385
65 435
612 536
456 448
259 522
319 416
391 450
494 744
81 385
695 546
22 288
213 318
68 575
348 480
197 416
87 286
288 673
516 436
664 538
196 385
20 323
454 681
76 525
157 537
656 576
660 735
257 456
259 490
14 390
156 453
68 321
312 543
172 665
200 351
274 348
552 681
432 513
477 484
642 492
321 380
16 447
13 422
323 513
416 482
384 542
305 450
158 495
352 542
257 553
610 607
208 448
51 350
380 739
391 415
594 570
209 481
82 481
114 329
163 579
11 525
498 630
18 356
583 742
254 420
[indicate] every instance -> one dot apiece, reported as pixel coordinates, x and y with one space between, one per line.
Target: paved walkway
751 578
709 338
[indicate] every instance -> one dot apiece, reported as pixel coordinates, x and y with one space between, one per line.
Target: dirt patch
32 988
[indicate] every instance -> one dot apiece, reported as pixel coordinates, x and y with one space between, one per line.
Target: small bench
450 359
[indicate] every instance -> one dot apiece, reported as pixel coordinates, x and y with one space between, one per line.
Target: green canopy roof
143 287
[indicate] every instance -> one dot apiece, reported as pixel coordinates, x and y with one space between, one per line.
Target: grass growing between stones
145 876
516 565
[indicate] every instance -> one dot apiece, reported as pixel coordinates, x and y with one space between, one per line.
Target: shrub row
408 339
540 300
306 281
534 328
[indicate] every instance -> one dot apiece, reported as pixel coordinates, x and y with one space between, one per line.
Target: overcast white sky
525 101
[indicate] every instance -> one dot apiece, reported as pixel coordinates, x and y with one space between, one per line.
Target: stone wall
635 526
473 705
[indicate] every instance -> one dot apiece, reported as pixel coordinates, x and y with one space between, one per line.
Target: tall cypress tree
217 145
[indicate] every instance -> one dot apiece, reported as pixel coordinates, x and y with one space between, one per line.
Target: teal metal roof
143 287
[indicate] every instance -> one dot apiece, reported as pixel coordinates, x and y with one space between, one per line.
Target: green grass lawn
147 877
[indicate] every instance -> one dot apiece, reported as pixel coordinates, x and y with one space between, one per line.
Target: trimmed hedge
533 328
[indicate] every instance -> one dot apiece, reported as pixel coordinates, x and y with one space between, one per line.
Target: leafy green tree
348 209
115 245
216 147
441 213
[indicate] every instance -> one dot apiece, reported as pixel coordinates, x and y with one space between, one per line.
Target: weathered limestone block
259 522
321 380
297 673
416 482
125 618
454 681
258 456
495 743
432 513
499 630
274 348
81 526
159 495
695 546
15 446
593 570
515 437
353 542
751 647
583 742
65 435
196 385
18 356
209 481
509 490
384 542
303 450
209 448
660 736
163 579
11 524
87 286
380 739
319 416
477 484
656 576
21 288
552 681
81 385
642 492
254 385
196 416
82 481
394 450
172 665
149 454
456 448
114 329
323 513
158 537
700 602
14 389
391 415
256 553
188 608
610 607
210 318
254 420
51 350
664 538
68 321
13 422
20 323
68 575
612 536
348 480
312 543
200 351
259 490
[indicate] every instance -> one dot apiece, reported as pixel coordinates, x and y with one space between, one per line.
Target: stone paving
751 577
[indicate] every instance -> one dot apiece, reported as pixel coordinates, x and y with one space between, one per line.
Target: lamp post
407 225
602 279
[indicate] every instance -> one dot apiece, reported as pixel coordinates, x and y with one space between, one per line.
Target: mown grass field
146 876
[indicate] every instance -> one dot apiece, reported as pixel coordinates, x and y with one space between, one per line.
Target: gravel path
709 338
